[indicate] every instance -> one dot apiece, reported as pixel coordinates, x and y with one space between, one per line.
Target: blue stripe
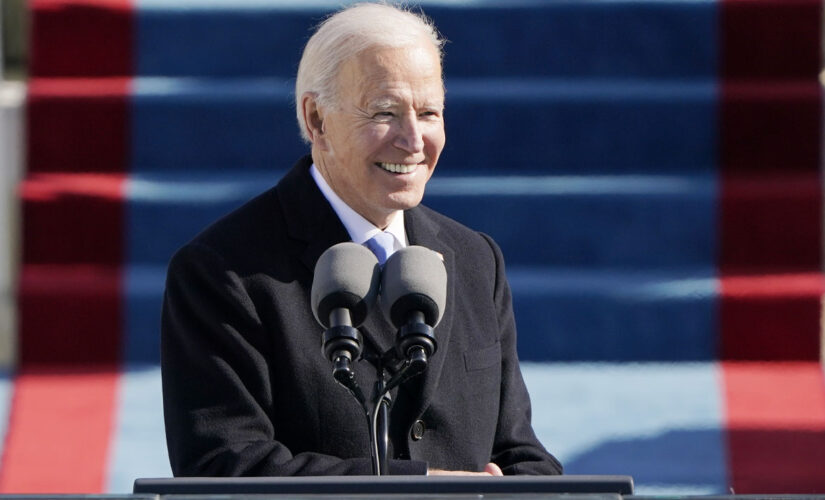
165 210
511 126
661 423
590 38
143 296
186 124
562 314
603 315
562 223
648 222
574 126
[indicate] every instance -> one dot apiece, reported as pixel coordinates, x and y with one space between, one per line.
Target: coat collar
309 216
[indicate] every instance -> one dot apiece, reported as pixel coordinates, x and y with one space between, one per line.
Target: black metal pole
383 432
380 426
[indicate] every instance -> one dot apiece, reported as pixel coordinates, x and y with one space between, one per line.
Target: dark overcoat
247 391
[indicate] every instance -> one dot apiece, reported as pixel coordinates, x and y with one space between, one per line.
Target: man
246 389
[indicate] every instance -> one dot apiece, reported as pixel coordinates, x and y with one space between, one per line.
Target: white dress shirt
359 228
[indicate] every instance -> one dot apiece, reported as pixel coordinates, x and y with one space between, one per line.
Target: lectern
602 486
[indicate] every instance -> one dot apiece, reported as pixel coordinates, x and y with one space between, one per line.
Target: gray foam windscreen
347 275
414 279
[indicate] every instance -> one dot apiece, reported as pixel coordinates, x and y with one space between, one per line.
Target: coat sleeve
217 392
516 449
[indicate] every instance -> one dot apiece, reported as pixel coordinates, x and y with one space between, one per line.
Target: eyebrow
384 103
388 103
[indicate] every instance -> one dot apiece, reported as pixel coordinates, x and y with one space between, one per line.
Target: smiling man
378 143
246 390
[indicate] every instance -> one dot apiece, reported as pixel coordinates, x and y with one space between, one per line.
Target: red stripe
767 125
73 219
775 39
78 125
70 304
70 315
81 37
771 316
770 255
776 427
770 143
770 221
59 432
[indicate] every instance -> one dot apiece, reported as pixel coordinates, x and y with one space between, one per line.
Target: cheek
434 133
373 139
434 142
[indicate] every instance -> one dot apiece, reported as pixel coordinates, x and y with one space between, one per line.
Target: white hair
347 33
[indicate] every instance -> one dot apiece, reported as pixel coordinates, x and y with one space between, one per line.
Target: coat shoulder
473 245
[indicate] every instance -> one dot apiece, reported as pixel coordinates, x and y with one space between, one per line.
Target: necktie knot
382 245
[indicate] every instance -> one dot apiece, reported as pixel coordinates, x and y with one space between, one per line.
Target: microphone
413 296
344 289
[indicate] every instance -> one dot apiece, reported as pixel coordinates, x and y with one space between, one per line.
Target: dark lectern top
398 486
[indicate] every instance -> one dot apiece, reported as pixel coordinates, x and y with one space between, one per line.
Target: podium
606 487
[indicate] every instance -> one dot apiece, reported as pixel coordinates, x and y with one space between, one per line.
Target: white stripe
6 391
638 285
181 187
237 185
578 407
332 5
212 88
559 185
139 445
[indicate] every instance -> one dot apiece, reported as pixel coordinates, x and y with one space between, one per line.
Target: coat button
417 431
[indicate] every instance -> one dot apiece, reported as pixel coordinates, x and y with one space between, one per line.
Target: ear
313 119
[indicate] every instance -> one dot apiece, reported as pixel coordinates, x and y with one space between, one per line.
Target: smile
397 168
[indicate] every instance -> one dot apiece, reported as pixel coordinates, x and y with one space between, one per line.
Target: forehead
412 71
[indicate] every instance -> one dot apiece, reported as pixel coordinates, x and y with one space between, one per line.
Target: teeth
397 168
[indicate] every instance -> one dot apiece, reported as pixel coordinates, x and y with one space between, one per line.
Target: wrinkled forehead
380 72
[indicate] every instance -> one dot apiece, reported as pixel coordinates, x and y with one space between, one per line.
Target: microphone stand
380 434
377 414
415 342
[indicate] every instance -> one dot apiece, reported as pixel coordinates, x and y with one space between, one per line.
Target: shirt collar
359 228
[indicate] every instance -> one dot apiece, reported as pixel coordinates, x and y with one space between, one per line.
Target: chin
405 201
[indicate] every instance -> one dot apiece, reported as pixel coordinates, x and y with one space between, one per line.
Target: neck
378 218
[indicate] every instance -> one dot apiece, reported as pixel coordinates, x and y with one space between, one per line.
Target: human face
379 145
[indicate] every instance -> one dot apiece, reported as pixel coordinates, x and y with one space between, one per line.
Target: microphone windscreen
414 279
347 275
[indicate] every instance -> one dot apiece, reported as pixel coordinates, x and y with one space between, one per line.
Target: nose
409 137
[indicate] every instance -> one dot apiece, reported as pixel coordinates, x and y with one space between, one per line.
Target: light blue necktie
382 245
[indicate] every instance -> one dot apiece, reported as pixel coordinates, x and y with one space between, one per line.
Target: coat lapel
311 220
421 230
